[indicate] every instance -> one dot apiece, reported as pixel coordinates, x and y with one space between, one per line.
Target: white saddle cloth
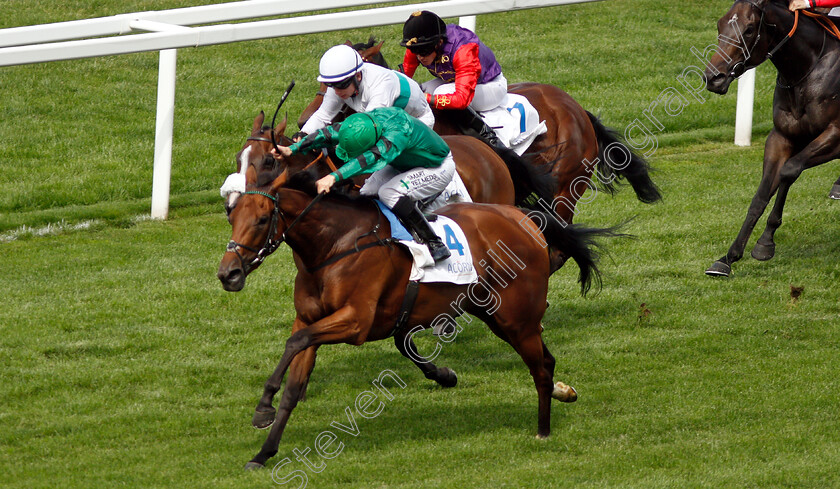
516 122
457 269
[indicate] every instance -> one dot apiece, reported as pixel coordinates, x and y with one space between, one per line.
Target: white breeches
487 95
418 183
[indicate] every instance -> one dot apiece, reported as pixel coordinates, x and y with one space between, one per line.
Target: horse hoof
835 192
263 419
564 393
254 466
447 377
541 437
763 253
718 269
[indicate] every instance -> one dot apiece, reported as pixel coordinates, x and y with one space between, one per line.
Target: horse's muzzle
718 83
231 274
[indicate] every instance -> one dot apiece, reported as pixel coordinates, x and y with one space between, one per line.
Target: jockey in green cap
406 159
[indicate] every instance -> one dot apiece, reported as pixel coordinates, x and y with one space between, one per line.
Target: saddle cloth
457 269
516 122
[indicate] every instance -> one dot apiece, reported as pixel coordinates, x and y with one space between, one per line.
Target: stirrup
438 250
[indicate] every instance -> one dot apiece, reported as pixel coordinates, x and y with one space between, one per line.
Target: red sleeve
825 3
467 69
410 63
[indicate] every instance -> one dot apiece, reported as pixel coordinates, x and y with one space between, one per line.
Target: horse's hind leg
818 151
530 348
444 376
529 345
835 190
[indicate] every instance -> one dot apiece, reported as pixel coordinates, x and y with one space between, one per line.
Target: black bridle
270 245
739 68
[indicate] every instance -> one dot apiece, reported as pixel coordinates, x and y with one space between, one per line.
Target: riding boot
473 124
406 209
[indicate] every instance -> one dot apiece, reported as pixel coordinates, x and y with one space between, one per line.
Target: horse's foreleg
777 150
265 412
339 327
299 372
444 376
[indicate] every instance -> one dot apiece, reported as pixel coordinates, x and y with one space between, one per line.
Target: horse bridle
739 68
270 245
741 64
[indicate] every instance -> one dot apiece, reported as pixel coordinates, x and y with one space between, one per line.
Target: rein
324 154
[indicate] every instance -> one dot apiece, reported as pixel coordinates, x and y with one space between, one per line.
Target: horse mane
304 181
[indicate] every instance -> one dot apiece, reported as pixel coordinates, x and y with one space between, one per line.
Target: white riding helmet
339 63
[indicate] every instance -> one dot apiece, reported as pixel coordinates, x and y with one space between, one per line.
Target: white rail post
467 22
164 122
744 108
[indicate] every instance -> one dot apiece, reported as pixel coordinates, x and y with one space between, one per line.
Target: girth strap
410 297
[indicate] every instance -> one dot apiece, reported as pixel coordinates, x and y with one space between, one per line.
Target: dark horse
350 283
806 108
490 175
575 144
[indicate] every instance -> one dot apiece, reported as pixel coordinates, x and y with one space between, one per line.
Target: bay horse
575 145
806 109
354 300
490 175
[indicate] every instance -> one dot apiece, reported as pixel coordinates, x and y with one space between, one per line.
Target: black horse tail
616 159
531 182
576 242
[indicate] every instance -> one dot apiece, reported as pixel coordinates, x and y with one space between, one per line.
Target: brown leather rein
323 155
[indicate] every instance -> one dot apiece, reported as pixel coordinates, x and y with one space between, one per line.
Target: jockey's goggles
340 85
422 50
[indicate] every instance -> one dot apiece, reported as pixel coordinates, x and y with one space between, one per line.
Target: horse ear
371 51
348 43
280 181
280 130
258 122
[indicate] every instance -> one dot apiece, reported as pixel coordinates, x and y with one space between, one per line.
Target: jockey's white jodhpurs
487 95
418 183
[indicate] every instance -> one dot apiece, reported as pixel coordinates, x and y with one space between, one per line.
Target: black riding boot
473 124
406 209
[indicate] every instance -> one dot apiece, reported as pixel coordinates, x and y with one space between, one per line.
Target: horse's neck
798 56
329 226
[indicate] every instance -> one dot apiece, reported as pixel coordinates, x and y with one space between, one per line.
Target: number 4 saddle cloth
457 269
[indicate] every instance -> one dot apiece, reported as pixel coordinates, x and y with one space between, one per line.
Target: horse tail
531 182
630 165
576 242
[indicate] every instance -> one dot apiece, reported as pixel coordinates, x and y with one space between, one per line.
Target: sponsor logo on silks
405 184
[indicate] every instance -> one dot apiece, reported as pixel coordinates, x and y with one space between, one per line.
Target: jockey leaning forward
467 76
408 162
363 87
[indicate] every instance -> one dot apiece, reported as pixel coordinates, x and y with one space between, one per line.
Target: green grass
124 364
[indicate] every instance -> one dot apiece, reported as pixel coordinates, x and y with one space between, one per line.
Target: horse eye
262 221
